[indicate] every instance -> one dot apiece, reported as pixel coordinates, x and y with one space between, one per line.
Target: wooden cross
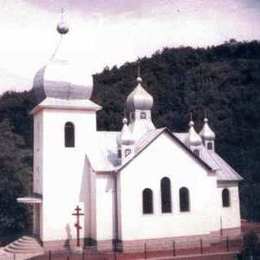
77 225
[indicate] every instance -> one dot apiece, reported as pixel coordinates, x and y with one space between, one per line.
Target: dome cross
62 26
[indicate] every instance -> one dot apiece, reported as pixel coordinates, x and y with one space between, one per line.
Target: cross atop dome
60 79
139 78
62 26
139 98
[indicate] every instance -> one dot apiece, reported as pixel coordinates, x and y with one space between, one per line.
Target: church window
69 135
197 152
225 198
184 200
210 146
143 115
127 152
147 201
166 202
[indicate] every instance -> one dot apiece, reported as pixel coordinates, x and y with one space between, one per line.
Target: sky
112 32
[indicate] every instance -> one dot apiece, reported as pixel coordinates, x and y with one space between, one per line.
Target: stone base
164 244
161 244
77 250
62 245
105 245
70 246
231 233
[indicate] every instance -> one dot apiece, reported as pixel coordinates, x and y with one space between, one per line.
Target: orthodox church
139 184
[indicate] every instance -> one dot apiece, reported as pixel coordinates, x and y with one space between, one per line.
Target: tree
15 181
250 243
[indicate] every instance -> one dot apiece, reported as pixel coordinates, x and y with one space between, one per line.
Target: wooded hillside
224 80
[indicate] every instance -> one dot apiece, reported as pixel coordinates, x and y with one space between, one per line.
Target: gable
164 157
156 135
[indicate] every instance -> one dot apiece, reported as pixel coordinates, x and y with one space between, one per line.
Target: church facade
139 184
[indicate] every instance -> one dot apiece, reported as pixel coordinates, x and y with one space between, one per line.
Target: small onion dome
62 28
59 79
193 138
125 137
206 132
139 98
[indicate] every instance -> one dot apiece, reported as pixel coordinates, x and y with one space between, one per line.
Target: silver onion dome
59 79
193 138
206 132
139 98
125 137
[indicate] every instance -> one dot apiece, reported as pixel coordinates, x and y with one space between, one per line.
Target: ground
223 250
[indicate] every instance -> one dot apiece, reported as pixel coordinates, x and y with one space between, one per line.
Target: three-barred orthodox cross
77 225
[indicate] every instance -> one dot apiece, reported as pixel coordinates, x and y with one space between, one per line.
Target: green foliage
224 80
15 162
14 180
250 242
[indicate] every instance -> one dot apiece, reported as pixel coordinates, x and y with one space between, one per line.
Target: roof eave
65 104
230 181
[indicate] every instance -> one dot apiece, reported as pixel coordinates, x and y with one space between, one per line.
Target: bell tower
64 128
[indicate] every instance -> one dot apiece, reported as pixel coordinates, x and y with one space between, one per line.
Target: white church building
139 184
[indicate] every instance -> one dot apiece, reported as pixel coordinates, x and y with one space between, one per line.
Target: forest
222 80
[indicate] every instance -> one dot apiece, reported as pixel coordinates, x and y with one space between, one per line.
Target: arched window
143 115
197 152
147 201
225 198
127 152
69 133
184 199
210 146
166 201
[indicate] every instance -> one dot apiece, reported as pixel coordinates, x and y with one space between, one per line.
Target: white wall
230 215
37 170
37 148
164 158
90 210
105 206
62 169
85 195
